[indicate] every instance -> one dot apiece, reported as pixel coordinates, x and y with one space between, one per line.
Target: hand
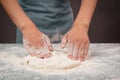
77 41
37 43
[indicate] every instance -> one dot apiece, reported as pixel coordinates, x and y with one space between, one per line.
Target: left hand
78 42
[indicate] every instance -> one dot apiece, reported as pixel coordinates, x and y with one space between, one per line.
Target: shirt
52 17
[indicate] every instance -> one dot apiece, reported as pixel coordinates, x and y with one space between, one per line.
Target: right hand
37 43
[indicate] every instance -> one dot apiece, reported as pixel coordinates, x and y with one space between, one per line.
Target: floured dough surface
59 61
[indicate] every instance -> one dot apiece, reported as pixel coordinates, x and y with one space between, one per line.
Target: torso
50 16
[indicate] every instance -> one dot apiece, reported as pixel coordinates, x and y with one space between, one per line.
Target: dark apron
52 17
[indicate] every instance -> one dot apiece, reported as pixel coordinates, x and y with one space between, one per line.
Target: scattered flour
58 64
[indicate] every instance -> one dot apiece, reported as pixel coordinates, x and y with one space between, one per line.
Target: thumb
64 42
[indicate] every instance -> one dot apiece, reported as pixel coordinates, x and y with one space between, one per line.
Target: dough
59 61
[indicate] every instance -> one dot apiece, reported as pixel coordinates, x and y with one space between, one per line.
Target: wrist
30 31
83 26
27 27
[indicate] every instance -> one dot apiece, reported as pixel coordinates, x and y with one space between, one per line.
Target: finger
80 56
25 42
70 50
28 47
47 52
86 51
75 52
40 56
44 53
64 41
47 55
39 53
48 43
46 48
30 51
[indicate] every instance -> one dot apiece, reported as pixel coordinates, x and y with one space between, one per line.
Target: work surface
104 64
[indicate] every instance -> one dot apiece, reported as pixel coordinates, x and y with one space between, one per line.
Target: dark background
104 27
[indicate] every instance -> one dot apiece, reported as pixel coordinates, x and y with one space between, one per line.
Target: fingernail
70 56
51 48
74 58
82 59
40 55
47 55
62 46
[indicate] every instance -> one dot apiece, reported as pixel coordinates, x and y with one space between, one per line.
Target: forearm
85 12
16 13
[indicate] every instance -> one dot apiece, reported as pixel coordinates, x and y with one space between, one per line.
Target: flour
58 63
59 60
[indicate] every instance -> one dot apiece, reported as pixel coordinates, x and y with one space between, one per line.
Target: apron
52 17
